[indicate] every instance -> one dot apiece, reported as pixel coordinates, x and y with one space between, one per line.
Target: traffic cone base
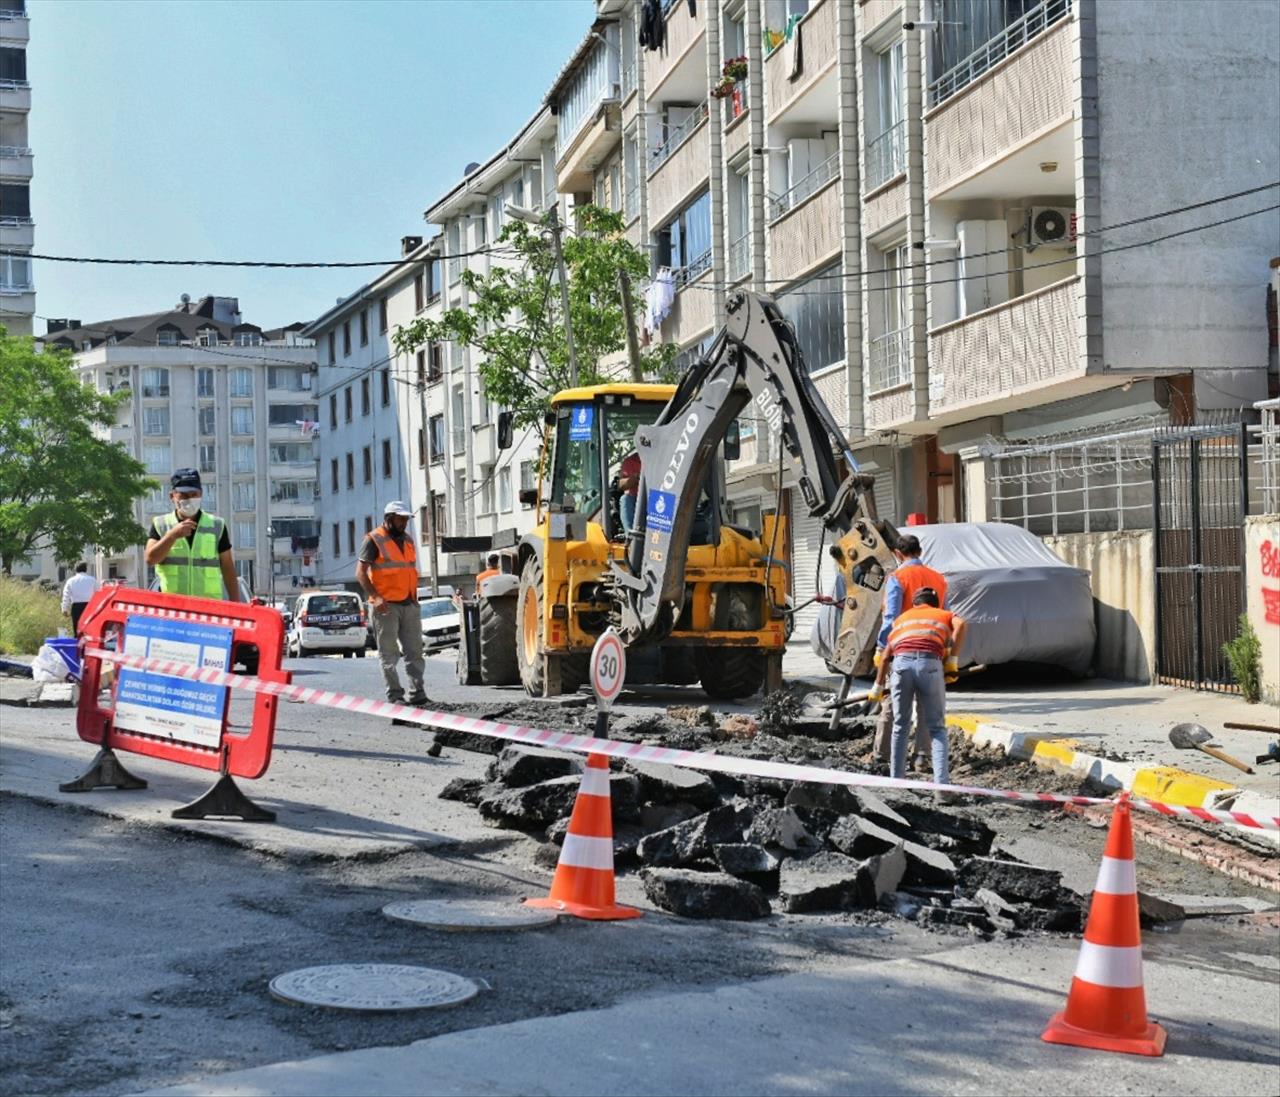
1107 1005
584 884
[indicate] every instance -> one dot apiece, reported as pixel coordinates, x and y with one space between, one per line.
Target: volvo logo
682 448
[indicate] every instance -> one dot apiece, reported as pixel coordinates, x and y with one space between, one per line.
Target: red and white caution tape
585 744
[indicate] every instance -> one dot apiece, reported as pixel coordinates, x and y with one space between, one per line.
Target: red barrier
232 751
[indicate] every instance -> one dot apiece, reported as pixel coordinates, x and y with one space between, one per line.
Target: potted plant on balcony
733 72
723 88
735 68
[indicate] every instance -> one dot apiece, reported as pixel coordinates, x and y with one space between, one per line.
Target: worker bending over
922 649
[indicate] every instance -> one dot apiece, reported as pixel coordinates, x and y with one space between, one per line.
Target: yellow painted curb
1175 786
1058 751
967 724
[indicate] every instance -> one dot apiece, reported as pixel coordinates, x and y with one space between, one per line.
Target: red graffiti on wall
1269 558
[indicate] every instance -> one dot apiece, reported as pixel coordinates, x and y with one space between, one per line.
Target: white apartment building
924 204
209 391
17 228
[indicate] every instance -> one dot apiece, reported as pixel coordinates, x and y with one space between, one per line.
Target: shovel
1194 737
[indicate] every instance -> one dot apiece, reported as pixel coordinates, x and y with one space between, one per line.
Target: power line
506 250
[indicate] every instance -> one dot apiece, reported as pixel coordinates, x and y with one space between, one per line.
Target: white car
327 621
441 628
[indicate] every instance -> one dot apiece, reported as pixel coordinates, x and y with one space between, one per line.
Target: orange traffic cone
583 884
1107 1007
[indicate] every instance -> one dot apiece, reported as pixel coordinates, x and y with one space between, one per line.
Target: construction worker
911 575
189 548
76 594
921 647
387 571
492 561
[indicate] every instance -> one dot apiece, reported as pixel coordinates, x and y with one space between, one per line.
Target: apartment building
209 391
921 186
372 450
17 228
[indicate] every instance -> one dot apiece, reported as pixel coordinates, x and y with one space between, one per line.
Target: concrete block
520 766
703 894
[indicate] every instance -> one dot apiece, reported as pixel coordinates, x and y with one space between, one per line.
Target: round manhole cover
469 915
372 987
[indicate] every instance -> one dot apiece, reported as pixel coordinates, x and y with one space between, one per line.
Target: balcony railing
740 257
677 137
887 155
631 203
809 185
454 271
628 79
686 274
888 360
459 441
12 85
10 222
1013 37
14 150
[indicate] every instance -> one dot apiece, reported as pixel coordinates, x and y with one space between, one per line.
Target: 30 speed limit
608 668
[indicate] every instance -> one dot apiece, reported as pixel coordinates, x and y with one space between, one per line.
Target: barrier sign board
608 668
170 708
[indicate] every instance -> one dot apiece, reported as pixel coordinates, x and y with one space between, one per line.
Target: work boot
947 799
418 700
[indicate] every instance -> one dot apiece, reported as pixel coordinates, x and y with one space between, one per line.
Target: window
434 281
207 337
156 459
291 453
366 456
684 243
364 396
207 457
168 337
293 491
346 338
204 382
242 457
210 497
422 447
368 523
386 459
15 274
337 539
486 489
384 380
421 360
155 420
437 439
246 534
241 381
351 537
886 152
289 378
968 38
333 475
528 475
346 402
890 320
244 495
364 327
383 322
435 362
247 339
333 411
504 489
333 347
242 420
598 77
815 308
351 470
155 382
206 419
419 291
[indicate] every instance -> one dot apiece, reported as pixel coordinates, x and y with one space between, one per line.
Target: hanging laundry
794 56
659 298
653 27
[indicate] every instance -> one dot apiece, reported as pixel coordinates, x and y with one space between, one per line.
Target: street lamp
271 542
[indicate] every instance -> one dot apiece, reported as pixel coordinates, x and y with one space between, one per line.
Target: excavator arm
753 360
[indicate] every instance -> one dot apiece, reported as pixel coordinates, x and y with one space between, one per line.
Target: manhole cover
469 915
372 987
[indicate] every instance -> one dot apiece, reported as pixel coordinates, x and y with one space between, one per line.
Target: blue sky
273 129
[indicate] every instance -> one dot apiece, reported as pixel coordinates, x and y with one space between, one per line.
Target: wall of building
1262 598
1124 598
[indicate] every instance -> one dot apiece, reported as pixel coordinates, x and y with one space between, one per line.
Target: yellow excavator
694 597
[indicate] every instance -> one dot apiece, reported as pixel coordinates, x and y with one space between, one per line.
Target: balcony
685 33
1020 98
677 137
15 27
886 156
740 257
889 363
1007 356
807 186
692 315
16 95
812 95
15 162
683 168
807 232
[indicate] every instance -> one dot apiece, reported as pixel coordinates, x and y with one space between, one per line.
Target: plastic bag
48 666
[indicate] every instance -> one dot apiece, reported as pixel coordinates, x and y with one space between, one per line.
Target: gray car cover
1021 602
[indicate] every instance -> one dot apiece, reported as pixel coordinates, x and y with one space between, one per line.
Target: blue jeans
918 678
628 510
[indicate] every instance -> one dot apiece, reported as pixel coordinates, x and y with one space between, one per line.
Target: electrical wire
269 264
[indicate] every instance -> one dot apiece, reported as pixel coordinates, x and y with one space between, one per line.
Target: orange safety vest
394 574
921 629
917 577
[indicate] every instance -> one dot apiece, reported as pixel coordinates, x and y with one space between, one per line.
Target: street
138 951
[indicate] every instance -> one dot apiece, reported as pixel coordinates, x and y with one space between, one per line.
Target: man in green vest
191 550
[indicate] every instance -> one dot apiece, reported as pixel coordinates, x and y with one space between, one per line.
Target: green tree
60 484
515 318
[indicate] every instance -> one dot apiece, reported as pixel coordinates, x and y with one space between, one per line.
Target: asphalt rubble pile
712 845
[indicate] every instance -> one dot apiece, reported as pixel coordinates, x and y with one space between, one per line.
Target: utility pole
554 222
633 341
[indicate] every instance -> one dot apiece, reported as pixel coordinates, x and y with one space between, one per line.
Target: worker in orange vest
388 573
910 576
921 648
493 560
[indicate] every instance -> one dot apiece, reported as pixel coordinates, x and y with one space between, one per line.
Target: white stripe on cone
1110 965
1117 877
582 852
595 782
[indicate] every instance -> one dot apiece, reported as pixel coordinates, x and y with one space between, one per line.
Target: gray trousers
918 677
397 627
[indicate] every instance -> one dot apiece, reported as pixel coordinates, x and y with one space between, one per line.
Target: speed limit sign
608 668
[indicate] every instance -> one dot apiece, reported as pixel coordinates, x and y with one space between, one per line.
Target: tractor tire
543 674
677 668
498 661
727 673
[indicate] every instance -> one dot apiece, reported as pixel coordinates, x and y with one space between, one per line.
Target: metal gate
1200 499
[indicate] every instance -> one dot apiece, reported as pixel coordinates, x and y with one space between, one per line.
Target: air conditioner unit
1052 227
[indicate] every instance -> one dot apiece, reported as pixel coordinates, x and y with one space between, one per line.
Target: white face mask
189 508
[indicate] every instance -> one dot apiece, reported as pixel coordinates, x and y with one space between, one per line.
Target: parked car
327 621
441 627
1022 603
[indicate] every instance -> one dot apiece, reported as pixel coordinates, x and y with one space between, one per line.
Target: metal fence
1265 449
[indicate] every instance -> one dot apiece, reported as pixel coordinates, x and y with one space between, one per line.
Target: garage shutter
805 558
